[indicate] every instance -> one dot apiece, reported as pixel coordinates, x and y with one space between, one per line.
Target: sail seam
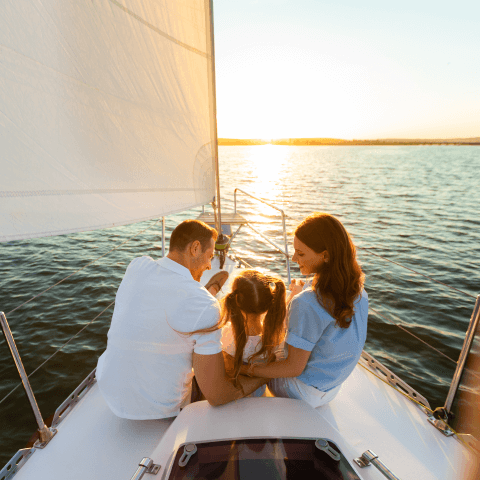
67 231
44 193
157 30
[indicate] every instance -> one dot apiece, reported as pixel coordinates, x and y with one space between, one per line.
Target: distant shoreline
337 141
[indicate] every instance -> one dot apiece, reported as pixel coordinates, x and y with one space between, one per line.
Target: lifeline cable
418 273
412 334
54 353
87 265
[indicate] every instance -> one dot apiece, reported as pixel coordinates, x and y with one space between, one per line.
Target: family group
171 342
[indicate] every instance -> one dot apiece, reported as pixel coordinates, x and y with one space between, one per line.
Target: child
254 315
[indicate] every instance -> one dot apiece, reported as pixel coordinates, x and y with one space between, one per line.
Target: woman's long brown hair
338 282
255 293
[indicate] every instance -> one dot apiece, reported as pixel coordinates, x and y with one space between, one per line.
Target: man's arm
293 366
229 362
214 382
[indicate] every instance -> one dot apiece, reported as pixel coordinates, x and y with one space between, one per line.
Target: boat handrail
284 226
371 458
368 250
254 197
145 465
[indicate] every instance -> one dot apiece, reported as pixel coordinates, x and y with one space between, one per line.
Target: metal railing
472 328
45 433
284 227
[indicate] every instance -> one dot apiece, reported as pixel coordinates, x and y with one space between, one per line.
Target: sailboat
107 108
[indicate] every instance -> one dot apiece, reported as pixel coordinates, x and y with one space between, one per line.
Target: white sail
106 113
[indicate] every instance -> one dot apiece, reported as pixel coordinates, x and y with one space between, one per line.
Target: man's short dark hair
190 230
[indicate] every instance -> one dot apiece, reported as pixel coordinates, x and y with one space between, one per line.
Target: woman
327 320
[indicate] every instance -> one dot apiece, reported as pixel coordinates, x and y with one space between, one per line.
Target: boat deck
92 443
367 414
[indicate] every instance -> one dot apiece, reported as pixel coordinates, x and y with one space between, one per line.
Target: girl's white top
253 345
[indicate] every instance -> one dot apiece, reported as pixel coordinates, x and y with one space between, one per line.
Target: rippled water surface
417 206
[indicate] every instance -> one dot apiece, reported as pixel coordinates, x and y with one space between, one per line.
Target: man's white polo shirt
146 370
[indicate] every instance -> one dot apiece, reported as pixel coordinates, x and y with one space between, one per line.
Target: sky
347 69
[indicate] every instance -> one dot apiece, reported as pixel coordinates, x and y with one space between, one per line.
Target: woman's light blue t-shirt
335 350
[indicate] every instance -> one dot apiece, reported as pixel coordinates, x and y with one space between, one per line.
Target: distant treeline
338 141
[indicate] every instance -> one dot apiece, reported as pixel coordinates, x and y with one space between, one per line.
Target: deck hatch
279 459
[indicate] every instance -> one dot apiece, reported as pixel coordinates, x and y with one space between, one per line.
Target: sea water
417 206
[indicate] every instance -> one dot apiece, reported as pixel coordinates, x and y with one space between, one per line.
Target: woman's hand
292 366
247 370
229 364
296 286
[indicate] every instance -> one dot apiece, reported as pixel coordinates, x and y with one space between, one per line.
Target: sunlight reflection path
269 166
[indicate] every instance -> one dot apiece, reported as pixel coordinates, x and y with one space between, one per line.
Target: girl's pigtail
278 312
274 323
235 315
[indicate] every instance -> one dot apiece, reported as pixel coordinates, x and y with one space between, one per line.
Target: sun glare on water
268 163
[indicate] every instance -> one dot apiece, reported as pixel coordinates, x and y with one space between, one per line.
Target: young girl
254 317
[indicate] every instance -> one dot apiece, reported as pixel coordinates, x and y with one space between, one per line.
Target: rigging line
160 32
88 264
418 273
412 334
54 353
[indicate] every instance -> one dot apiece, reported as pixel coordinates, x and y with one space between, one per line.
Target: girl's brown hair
338 282
255 293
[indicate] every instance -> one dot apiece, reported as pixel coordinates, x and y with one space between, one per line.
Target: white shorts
294 388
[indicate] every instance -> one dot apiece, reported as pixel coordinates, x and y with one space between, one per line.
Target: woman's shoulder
361 307
306 304
362 299
306 297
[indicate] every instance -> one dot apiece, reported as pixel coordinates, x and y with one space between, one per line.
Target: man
146 370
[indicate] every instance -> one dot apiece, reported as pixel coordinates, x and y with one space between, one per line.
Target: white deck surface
367 414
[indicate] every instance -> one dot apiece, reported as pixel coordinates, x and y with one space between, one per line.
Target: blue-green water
415 205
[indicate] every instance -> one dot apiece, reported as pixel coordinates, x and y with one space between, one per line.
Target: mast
214 126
